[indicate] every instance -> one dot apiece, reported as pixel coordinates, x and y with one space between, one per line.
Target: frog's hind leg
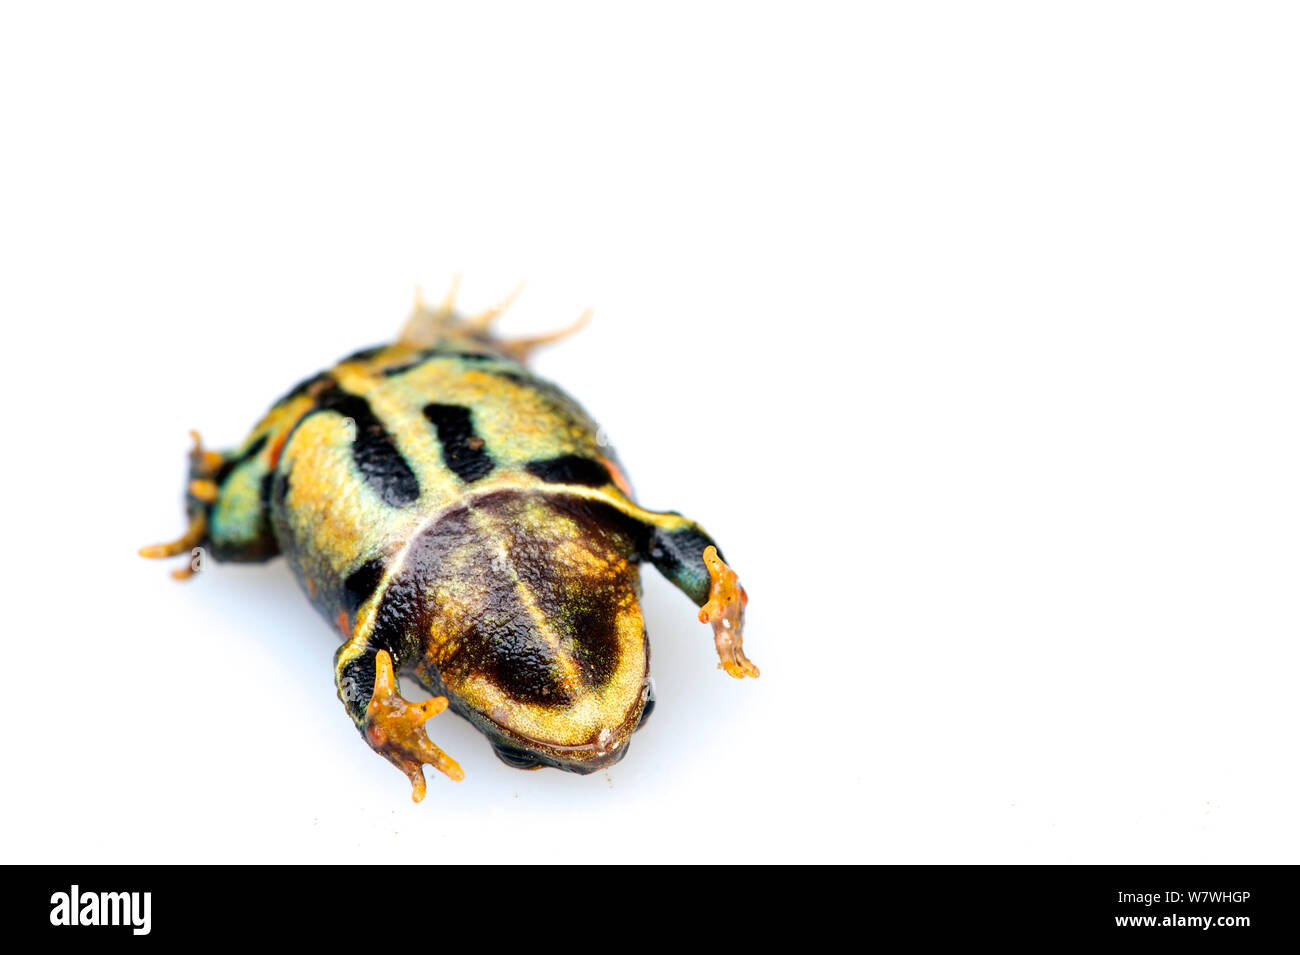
226 501
481 323
689 558
520 349
425 325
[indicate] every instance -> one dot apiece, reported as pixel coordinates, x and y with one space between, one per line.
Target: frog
462 522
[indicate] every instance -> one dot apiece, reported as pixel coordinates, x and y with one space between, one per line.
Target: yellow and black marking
457 518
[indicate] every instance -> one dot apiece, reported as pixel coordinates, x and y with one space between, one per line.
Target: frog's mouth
605 748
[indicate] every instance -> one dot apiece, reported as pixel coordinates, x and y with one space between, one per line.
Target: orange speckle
205 490
277 448
344 624
620 479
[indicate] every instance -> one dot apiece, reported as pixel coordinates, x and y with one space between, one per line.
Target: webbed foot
394 728
725 610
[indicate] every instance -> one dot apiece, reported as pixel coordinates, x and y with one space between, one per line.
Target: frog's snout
609 745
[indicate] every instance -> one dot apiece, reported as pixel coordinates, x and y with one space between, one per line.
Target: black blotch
570 469
361 584
280 487
268 480
516 758
462 450
255 448
376 456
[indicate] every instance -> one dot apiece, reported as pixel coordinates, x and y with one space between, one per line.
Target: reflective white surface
970 334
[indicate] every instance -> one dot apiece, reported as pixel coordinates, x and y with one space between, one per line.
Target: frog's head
543 646
523 746
572 699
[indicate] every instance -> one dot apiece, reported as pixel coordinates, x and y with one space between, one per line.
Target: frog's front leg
391 725
226 503
688 557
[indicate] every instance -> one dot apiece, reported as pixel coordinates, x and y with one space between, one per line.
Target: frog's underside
457 518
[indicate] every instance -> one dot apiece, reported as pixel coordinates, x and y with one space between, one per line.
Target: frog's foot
480 323
425 325
203 490
521 348
725 609
186 543
394 728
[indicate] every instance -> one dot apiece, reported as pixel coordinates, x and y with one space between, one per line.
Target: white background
969 330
